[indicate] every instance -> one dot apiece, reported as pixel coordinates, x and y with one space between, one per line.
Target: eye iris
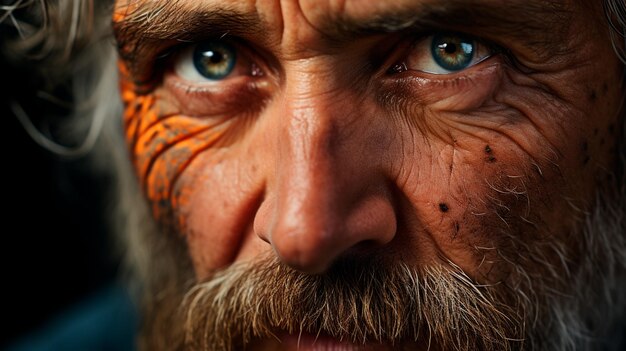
453 53
214 60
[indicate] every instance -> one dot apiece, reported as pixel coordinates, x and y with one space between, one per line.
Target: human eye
444 53
214 61
215 77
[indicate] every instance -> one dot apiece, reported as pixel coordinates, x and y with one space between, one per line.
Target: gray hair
615 13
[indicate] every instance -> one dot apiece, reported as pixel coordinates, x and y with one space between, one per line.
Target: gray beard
360 301
576 305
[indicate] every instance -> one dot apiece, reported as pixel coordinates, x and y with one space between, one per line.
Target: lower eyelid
198 87
229 97
431 87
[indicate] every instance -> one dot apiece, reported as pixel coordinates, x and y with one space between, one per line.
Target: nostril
365 249
262 220
365 246
311 239
263 237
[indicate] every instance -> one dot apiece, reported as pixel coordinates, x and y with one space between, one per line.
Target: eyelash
165 63
204 99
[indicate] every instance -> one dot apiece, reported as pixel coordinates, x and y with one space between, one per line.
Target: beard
359 301
572 305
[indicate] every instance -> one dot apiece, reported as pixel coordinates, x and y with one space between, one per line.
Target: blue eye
452 52
215 63
214 59
445 53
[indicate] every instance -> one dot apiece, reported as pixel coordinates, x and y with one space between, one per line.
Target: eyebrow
533 23
539 26
142 34
537 30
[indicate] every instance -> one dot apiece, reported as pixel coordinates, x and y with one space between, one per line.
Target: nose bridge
309 167
311 200
315 119
317 208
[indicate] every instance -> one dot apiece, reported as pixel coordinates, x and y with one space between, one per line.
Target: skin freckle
443 207
489 158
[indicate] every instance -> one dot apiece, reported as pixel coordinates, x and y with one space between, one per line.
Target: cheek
217 197
163 143
489 185
195 175
478 200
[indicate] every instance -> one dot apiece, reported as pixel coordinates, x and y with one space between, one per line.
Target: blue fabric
106 321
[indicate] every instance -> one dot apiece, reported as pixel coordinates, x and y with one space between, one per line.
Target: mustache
357 300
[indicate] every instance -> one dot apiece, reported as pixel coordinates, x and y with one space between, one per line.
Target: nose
327 195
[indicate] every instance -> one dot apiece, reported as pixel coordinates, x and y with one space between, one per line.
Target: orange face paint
162 143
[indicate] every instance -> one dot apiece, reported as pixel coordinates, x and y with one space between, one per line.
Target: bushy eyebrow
540 26
142 33
534 23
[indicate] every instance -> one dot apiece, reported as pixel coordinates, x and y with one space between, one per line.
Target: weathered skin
323 155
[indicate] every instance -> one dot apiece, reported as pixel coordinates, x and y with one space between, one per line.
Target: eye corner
143 79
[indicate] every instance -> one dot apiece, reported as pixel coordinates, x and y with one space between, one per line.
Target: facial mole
490 158
443 207
593 95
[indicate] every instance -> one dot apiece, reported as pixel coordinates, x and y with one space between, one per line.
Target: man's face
442 136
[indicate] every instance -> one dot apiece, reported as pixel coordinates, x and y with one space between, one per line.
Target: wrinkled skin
323 154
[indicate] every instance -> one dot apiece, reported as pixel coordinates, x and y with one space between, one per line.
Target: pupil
452 52
215 56
450 48
214 59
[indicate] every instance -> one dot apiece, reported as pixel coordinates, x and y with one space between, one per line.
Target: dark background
55 246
